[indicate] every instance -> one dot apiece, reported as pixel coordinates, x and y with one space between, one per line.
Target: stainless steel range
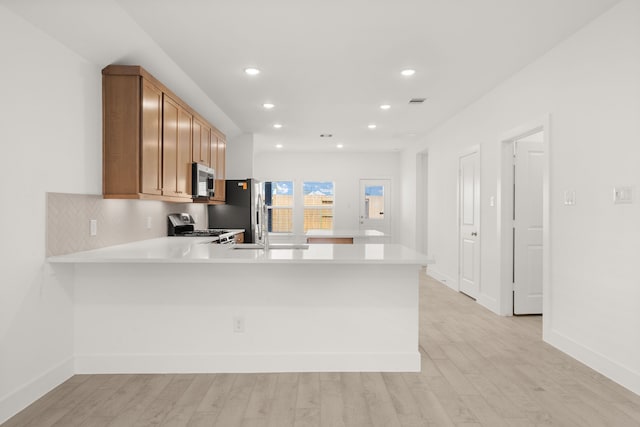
183 225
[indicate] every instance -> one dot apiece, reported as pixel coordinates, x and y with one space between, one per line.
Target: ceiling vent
417 100
325 135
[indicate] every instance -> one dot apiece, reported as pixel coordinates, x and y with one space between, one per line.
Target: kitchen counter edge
190 250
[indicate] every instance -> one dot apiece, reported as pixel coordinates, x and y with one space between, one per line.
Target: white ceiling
327 65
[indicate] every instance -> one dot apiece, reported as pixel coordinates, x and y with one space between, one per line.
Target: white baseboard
596 361
242 363
443 278
24 396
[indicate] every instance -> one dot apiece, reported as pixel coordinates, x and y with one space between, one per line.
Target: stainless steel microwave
202 181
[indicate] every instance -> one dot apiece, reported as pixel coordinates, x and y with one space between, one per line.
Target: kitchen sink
247 246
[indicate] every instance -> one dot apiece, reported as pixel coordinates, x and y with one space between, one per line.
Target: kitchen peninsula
183 305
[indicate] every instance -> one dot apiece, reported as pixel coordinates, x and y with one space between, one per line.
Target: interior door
527 253
469 223
375 205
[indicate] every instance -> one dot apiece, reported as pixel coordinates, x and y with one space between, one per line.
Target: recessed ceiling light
277 125
268 105
252 71
339 145
279 145
372 126
385 106
408 72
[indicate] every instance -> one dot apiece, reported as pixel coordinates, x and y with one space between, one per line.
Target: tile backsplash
118 221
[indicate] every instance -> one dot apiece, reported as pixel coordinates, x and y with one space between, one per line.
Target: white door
375 205
527 247
469 223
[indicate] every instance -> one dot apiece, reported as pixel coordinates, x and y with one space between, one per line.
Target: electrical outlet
238 324
93 227
569 197
148 223
623 195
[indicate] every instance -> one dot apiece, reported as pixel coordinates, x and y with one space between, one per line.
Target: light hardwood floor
478 369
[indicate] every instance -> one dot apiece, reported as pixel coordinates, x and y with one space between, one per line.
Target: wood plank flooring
478 369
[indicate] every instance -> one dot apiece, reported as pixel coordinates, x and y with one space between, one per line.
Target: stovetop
202 233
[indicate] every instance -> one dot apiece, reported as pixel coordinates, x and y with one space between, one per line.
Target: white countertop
344 233
198 250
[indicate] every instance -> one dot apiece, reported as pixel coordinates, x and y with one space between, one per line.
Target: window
374 202
278 196
318 205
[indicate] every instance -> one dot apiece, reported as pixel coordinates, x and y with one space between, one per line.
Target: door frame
469 150
422 201
505 214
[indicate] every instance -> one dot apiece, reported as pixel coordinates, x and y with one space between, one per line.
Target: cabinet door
176 149
213 152
205 147
185 120
201 143
151 140
220 170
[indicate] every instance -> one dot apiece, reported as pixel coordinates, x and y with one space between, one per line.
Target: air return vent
417 100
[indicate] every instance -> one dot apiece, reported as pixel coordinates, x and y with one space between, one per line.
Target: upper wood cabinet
150 138
201 143
132 137
176 129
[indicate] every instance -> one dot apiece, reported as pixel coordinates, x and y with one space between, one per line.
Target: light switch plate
93 227
622 195
569 197
492 201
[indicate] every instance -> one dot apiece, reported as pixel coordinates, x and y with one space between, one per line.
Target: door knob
474 234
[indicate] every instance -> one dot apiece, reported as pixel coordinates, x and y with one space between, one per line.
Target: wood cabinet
176 129
201 143
151 160
331 240
132 137
150 138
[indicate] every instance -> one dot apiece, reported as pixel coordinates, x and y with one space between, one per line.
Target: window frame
304 206
271 208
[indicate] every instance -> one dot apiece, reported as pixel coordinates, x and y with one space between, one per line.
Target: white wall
590 86
51 121
51 141
239 158
344 169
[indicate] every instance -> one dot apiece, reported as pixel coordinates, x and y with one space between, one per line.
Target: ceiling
326 65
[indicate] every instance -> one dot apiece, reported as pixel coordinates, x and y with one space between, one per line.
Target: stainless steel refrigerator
244 202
